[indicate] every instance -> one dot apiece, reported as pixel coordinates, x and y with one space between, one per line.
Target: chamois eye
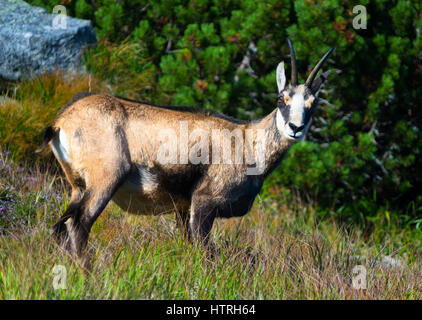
284 99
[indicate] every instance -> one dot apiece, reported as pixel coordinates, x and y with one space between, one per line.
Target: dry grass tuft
33 104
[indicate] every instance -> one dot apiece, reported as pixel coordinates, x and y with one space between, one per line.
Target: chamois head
296 102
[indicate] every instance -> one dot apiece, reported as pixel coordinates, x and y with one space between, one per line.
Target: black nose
296 128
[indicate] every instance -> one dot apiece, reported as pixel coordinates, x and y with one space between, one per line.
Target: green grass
277 251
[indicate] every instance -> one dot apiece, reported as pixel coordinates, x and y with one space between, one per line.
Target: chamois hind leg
72 230
96 165
59 229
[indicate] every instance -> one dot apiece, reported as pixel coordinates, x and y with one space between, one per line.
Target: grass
282 249
277 251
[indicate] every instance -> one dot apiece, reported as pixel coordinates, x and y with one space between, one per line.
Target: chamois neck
276 144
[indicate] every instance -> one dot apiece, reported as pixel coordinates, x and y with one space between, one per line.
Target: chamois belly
141 193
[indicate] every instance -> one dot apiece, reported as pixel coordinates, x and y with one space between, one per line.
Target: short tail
48 135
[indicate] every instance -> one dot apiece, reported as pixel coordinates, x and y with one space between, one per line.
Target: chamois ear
280 76
318 83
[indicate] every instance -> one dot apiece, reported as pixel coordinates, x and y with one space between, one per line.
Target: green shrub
366 136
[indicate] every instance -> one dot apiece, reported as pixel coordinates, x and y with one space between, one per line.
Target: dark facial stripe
285 112
285 109
308 116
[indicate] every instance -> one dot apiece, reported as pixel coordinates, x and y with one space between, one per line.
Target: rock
33 41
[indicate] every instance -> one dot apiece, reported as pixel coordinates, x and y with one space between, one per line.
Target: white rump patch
60 147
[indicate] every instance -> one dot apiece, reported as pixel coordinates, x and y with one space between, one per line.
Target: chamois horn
314 72
293 62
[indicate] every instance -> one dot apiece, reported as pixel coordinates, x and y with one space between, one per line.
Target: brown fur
110 138
108 148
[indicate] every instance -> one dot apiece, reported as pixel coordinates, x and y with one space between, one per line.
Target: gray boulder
33 41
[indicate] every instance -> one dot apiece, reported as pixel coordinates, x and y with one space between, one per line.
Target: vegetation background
349 194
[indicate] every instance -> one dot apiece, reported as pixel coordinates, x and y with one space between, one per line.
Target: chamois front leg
202 216
182 220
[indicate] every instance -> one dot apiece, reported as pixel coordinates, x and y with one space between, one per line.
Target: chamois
151 159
